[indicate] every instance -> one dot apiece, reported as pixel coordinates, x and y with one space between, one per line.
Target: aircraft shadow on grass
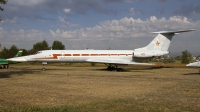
25 70
192 74
129 69
8 74
28 70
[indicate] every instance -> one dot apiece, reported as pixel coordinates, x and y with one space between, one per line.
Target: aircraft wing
117 61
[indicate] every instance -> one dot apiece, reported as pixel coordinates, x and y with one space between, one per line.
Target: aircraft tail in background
5 63
19 53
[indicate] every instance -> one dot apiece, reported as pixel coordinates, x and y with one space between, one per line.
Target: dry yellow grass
162 88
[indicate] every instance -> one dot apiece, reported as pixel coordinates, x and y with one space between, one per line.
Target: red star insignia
157 43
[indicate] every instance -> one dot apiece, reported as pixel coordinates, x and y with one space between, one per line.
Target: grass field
84 88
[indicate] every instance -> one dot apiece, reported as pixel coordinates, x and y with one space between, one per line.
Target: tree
39 46
2 2
57 45
177 58
12 51
9 53
4 53
25 52
186 57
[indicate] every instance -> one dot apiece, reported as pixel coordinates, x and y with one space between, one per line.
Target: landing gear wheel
199 70
2 66
119 69
113 67
109 68
44 63
6 66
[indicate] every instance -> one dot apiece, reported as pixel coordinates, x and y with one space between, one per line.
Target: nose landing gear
44 63
199 70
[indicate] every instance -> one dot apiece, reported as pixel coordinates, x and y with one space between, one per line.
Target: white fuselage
195 64
76 55
84 55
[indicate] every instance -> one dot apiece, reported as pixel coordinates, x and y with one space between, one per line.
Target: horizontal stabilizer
173 32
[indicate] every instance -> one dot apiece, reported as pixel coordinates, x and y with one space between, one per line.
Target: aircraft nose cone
195 64
18 59
188 65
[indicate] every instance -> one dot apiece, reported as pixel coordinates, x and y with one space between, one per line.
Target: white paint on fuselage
194 64
47 55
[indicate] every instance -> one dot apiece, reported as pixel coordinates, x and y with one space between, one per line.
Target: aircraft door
66 57
133 57
62 55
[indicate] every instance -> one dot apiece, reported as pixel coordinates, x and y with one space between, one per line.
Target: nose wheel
44 63
44 69
199 70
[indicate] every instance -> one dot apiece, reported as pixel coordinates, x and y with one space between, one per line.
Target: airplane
195 64
112 58
5 63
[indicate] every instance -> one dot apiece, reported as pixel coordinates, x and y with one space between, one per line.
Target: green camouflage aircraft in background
5 63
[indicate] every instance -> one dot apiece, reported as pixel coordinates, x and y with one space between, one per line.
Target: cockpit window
38 52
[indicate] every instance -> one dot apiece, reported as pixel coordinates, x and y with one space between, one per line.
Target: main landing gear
4 66
113 68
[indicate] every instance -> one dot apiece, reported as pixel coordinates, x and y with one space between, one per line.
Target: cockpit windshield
38 52
198 60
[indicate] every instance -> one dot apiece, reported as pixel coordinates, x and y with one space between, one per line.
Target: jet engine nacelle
149 54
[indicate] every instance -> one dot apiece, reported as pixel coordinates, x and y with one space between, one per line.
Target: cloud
132 11
128 33
116 1
127 28
65 22
22 38
123 28
188 10
14 20
36 8
125 33
67 10
163 1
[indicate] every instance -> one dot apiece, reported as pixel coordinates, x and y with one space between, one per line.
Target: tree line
12 51
185 58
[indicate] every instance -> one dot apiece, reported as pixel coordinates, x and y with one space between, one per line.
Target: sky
100 24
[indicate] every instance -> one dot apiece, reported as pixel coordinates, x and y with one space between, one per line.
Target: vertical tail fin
162 41
19 53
